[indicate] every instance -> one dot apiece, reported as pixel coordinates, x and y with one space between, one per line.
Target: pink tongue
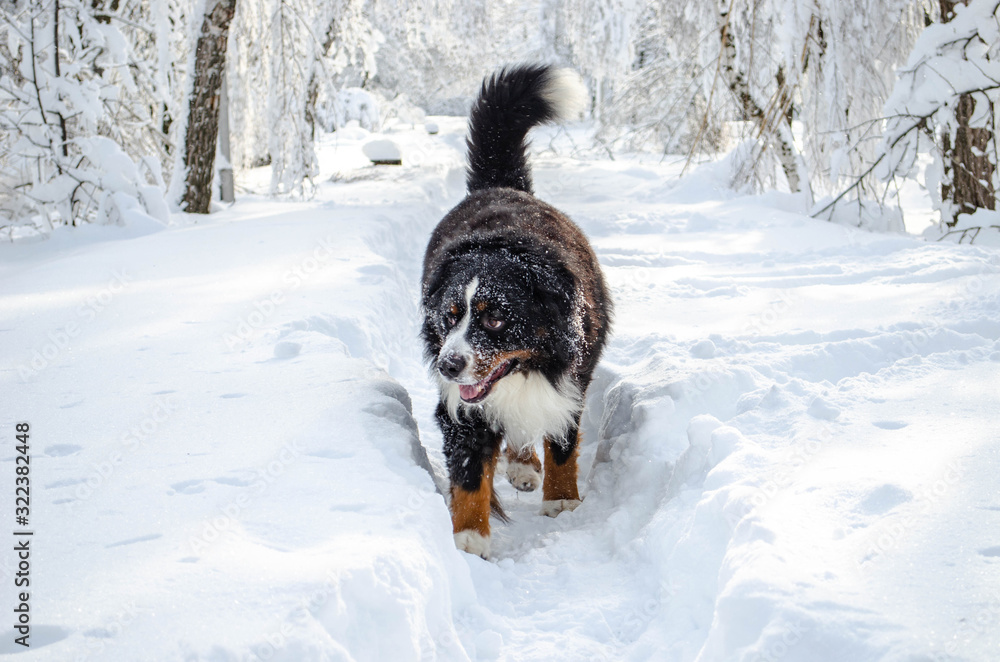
469 392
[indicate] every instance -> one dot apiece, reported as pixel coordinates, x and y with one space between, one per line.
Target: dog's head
493 313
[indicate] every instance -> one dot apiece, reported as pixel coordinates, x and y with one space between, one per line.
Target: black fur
524 286
536 271
508 106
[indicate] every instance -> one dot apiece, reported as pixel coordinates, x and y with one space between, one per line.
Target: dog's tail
511 102
497 508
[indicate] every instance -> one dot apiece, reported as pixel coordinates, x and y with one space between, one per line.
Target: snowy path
791 446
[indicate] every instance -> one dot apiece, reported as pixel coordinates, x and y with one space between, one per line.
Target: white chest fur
525 407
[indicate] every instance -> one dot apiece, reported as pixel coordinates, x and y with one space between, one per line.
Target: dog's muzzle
451 366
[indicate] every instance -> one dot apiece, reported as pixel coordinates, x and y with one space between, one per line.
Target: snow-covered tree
291 57
802 81
662 101
969 141
945 102
77 141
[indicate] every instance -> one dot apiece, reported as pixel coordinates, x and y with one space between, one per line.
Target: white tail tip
565 92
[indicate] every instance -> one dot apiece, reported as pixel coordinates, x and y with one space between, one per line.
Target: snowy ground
791 446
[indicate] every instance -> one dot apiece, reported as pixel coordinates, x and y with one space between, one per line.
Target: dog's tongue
470 391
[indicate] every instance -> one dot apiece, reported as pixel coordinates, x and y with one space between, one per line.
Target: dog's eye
493 323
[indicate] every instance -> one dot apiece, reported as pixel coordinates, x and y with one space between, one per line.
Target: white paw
553 508
473 542
523 476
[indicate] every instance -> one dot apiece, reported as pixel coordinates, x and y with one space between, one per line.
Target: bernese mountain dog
516 312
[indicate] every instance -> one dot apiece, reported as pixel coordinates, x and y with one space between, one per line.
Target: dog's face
491 316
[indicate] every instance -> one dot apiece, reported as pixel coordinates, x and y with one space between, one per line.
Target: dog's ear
554 289
433 291
434 285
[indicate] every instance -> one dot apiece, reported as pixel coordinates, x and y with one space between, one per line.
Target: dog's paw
473 542
553 508
523 476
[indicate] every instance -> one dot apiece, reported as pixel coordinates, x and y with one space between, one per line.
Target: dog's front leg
471 449
524 469
559 490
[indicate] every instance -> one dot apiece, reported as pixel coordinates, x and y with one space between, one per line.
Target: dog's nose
452 365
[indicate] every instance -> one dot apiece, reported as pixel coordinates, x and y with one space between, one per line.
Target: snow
789 448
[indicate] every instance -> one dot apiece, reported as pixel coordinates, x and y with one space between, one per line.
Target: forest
110 108
225 433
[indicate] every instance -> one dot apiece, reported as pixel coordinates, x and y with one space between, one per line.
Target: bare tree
203 107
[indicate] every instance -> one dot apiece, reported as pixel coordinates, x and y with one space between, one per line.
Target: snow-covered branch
944 104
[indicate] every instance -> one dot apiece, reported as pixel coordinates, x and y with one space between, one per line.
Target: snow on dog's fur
516 311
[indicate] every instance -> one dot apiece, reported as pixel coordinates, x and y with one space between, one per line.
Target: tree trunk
312 94
776 129
968 171
58 72
203 110
226 185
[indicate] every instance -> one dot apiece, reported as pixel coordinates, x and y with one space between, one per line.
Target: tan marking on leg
560 479
471 510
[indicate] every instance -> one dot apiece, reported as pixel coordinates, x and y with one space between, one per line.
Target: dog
515 311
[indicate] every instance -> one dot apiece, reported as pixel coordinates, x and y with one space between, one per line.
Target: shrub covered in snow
69 107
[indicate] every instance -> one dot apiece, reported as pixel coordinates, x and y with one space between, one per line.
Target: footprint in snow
132 541
884 498
287 350
188 487
890 425
992 552
62 450
233 481
64 482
